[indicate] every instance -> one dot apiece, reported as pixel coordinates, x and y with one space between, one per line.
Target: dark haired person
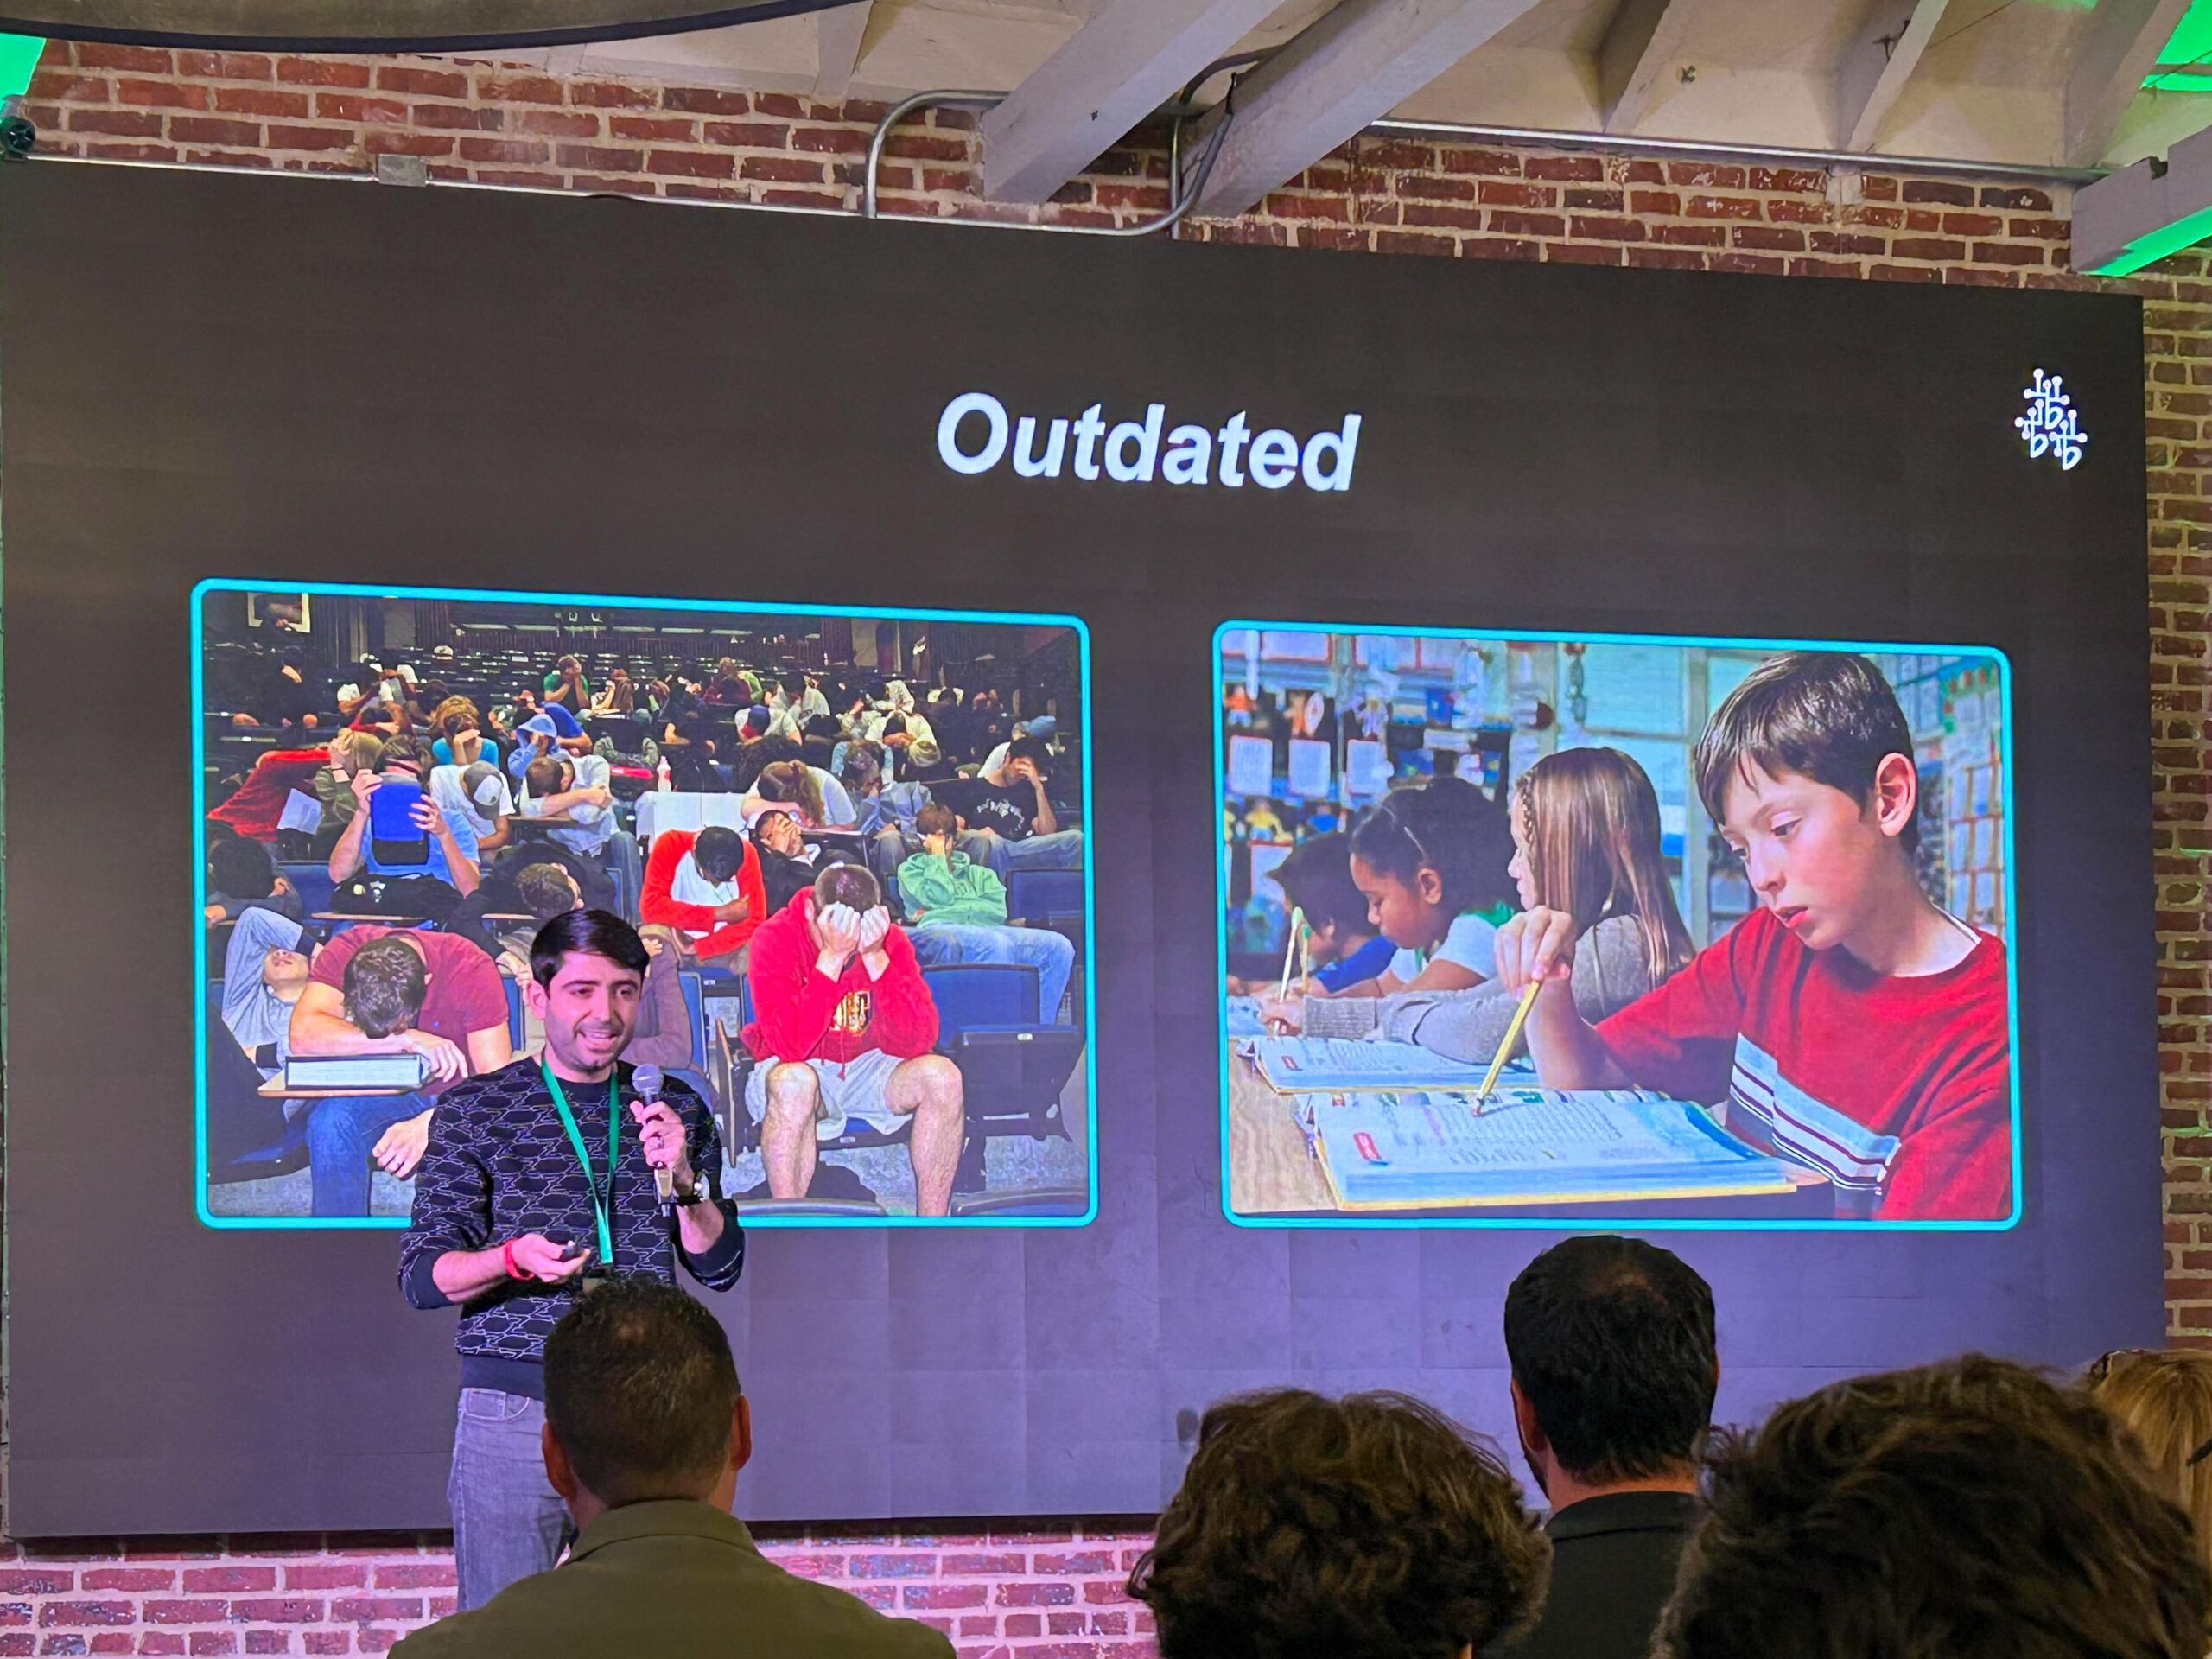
647 1427
1969 1510
242 876
567 688
704 887
1433 861
383 990
1346 947
1010 816
1370 1527
535 1175
579 787
844 1027
1850 1024
1614 1369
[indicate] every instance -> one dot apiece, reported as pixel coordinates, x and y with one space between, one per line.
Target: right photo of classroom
1614 930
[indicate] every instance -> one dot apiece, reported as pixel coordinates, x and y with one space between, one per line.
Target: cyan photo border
1615 1216
710 607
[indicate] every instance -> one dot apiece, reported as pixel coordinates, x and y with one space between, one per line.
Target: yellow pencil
1505 1045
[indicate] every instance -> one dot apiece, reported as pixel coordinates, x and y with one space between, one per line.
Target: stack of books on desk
354 1072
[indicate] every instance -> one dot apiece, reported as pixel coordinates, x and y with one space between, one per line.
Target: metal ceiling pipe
1715 149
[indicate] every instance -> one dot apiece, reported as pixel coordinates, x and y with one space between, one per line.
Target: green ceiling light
2185 65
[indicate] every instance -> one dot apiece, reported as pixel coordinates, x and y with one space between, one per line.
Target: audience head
1029 757
406 752
241 868
1365 1527
937 825
385 982
791 783
587 967
1317 878
1968 1510
642 1401
548 891
486 793
850 885
2164 1399
547 775
1614 1365
862 771
1438 850
792 685
718 854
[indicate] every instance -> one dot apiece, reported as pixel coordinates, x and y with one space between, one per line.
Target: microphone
646 1080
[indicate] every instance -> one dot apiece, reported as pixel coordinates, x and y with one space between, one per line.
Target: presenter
538 1185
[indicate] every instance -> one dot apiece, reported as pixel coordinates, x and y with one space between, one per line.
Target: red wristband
507 1255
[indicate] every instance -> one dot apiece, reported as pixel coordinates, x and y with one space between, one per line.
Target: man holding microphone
540 1181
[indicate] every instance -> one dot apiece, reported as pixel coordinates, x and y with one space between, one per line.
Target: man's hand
363 783
837 928
443 1060
543 1259
654 944
431 819
213 913
597 795
873 925
735 911
400 1147
1537 944
662 1131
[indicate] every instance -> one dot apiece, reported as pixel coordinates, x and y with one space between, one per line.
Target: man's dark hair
1828 716
849 884
1367 1527
241 868
936 819
1318 878
793 684
640 1388
587 933
719 853
1032 749
1969 1509
385 983
547 775
1611 1342
547 891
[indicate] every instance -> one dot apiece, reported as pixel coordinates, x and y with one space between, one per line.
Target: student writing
1849 1023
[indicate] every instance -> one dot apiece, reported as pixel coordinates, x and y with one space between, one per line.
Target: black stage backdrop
313 380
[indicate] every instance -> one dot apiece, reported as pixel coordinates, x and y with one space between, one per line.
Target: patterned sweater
499 1165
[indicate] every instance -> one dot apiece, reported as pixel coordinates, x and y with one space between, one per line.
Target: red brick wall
1038 1593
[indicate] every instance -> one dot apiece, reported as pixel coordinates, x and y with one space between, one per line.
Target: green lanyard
602 1198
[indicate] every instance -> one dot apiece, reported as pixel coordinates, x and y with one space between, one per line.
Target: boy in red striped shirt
1850 1024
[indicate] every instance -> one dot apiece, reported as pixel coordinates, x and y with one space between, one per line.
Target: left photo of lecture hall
399 789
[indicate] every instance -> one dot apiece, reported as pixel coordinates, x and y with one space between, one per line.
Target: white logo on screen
2052 425
975 433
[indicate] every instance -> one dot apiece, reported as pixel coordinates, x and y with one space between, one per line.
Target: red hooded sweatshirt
799 1013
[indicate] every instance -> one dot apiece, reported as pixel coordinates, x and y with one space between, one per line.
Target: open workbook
1292 1065
1421 1148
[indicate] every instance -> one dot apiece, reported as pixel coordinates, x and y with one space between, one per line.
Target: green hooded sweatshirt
951 889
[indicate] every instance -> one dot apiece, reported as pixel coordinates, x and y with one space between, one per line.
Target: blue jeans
1061 851
340 1131
1050 954
508 1522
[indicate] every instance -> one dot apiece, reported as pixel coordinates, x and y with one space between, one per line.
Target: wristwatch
697 1192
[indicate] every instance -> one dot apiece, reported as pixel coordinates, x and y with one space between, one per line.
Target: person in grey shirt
645 1430
1585 839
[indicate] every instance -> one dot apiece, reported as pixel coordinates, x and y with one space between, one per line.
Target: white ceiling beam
1129 58
842 33
2120 44
1356 64
1635 57
1876 66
